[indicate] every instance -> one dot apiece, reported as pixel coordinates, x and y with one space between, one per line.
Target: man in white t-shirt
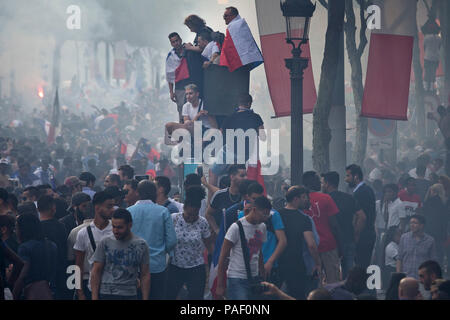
210 49
193 110
234 267
85 247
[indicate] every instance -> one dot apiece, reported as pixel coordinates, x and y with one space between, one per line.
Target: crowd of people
104 201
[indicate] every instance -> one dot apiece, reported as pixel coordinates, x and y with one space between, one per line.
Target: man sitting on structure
193 110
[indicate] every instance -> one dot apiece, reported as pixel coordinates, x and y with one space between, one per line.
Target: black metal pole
296 65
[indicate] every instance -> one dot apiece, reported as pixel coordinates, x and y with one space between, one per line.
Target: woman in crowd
188 263
37 278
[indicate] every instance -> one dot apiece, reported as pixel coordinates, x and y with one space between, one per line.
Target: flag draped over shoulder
55 120
239 47
272 32
388 76
176 68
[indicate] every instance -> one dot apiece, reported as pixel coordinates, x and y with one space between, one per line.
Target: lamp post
298 15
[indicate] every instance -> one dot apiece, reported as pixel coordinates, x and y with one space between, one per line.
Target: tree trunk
354 56
321 129
420 90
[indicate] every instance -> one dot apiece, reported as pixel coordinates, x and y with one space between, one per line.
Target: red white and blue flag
215 259
176 68
239 47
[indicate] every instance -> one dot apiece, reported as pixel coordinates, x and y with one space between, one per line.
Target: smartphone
200 171
140 178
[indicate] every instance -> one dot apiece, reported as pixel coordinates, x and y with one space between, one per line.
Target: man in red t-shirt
323 211
411 201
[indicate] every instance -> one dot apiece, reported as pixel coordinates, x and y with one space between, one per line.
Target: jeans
238 289
348 259
194 278
158 285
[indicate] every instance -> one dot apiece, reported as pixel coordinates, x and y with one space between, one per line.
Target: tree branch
324 3
362 31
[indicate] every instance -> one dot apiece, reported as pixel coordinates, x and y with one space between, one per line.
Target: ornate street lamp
298 15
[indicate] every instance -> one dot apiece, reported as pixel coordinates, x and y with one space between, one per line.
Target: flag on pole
272 31
388 76
239 47
55 120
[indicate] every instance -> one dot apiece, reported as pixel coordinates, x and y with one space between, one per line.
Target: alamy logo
74 280
261 148
374 280
74 20
374 18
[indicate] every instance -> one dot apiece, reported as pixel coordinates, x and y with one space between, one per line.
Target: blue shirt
154 224
271 243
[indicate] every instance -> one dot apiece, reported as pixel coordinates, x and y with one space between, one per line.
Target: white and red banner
239 47
272 31
388 76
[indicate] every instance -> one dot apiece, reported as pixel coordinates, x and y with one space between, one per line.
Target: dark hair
245 100
192 179
243 186
308 179
234 169
30 227
87 177
420 170
27 208
4 195
174 34
146 190
196 22
123 214
262 203
45 203
194 196
224 182
164 182
101 197
432 267
206 35
255 187
331 178
133 183
392 291
13 201
419 218
294 192
356 280
233 10
390 186
33 191
114 178
355 170
127 170
8 221
408 180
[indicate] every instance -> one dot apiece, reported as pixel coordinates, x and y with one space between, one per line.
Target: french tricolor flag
239 47
176 68
388 76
